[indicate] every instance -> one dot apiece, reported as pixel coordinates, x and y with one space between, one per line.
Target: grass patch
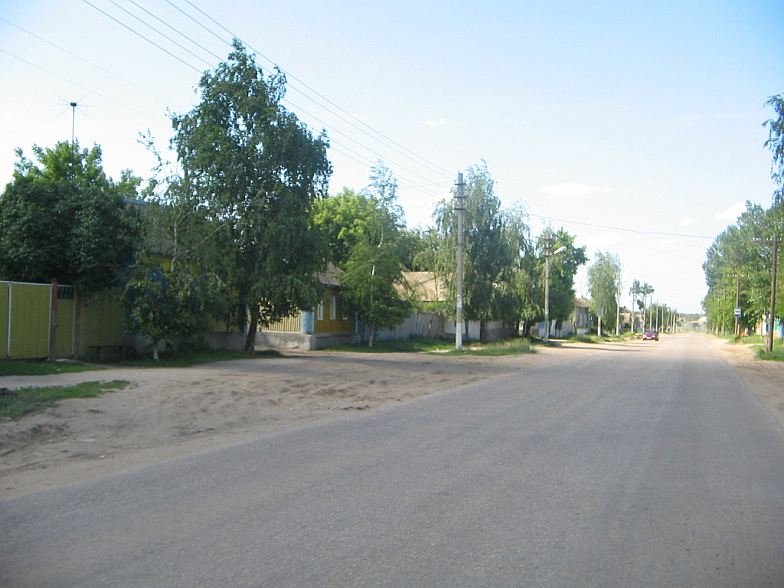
776 355
429 345
19 367
409 345
177 358
497 348
17 403
747 340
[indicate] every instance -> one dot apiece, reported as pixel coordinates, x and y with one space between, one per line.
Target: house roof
425 286
581 303
330 276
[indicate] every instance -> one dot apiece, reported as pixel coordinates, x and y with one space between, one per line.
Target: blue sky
636 128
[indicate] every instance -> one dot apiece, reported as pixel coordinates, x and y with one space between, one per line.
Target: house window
333 308
320 311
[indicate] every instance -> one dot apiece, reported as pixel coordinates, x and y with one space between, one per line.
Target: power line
30 63
597 226
98 67
143 37
447 173
286 100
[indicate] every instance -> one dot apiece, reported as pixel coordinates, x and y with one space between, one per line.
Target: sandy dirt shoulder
764 378
168 413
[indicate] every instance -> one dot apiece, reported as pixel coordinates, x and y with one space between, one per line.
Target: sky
637 127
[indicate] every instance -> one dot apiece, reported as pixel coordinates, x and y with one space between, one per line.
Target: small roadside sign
738 312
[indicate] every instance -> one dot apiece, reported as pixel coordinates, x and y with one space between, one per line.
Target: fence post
77 323
53 322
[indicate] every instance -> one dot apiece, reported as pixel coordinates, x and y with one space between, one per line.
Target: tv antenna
73 106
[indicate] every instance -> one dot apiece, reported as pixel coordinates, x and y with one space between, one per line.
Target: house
423 289
327 324
581 316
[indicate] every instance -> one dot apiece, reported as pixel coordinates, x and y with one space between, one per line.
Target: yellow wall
29 306
103 320
327 324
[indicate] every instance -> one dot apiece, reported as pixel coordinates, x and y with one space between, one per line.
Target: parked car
650 335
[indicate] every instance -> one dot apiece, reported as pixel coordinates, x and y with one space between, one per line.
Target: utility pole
460 209
737 304
772 320
771 316
548 244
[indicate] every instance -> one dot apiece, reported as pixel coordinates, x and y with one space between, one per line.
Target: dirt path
167 413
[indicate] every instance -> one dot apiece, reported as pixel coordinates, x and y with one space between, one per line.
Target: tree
491 251
563 268
367 240
739 264
257 169
775 143
64 219
173 305
604 284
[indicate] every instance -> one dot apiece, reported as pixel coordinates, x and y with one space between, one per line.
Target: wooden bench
118 351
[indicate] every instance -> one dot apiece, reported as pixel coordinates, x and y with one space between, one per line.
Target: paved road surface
635 465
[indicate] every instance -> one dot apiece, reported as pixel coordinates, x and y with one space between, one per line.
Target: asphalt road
648 464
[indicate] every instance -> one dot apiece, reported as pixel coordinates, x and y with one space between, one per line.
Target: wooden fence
53 321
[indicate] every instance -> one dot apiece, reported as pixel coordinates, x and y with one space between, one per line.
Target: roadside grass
758 343
497 348
21 367
17 403
443 346
745 340
413 344
188 358
776 355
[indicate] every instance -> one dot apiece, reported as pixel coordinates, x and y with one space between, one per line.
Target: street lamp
547 256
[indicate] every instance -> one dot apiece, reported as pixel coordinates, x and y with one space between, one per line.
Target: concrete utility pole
548 243
737 304
772 319
771 316
460 209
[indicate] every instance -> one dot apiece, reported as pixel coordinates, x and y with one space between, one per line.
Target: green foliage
64 219
170 306
11 367
738 268
604 284
17 403
563 268
775 143
366 239
494 242
255 169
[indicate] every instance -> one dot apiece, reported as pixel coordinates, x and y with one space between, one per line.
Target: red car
650 335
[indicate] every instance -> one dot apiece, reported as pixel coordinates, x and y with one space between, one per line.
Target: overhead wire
90 63
444 171
379 156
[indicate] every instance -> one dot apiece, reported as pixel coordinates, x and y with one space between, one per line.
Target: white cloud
685 222
732 213
435 123
570 189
